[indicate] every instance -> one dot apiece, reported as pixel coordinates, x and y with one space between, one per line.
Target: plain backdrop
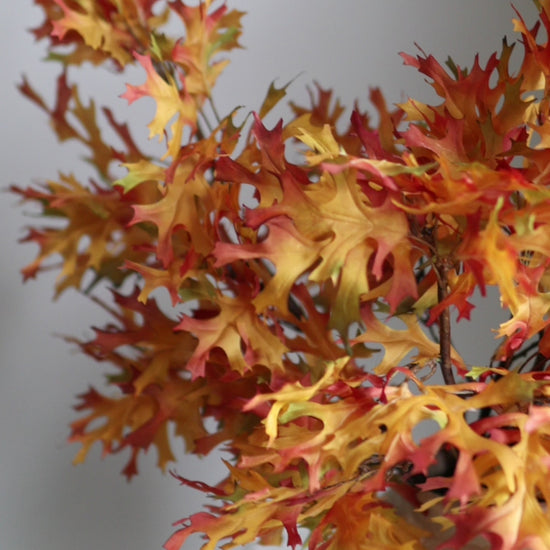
348 45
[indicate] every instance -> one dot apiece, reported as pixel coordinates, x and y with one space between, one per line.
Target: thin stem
441 266
104 305
529 359
444 325
430 328
206 121
214 110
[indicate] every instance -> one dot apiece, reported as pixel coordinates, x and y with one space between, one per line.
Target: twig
444 323
441 264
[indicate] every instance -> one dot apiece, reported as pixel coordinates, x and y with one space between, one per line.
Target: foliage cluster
313 267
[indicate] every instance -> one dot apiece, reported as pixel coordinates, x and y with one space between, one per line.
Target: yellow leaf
171 103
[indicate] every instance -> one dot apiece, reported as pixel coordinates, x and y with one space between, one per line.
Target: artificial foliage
285 292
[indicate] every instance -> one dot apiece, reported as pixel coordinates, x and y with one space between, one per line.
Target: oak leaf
171 103
245 338
97 32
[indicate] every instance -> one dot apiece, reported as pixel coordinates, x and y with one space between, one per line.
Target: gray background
45 502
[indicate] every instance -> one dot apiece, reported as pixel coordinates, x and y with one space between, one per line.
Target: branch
425 236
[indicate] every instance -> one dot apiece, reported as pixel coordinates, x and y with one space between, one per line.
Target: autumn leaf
150 393
87 130
334 222
171 103
273 97
94 214
208 33
96 32
397 344
180 206
236 329
284 246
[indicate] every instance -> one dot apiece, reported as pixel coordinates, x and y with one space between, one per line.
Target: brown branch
444 324
425 236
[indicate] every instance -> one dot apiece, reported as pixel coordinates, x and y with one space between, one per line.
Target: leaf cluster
312 269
